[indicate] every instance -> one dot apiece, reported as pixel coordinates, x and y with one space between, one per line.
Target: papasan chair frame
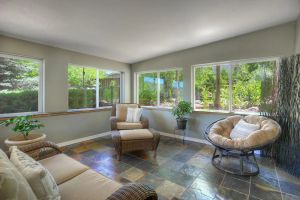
242 154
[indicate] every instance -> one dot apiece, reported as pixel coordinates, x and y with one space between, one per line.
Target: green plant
182 109
23 125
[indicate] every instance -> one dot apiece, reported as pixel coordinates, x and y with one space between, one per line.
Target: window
92 88
163 88
109 88
245 86
20 85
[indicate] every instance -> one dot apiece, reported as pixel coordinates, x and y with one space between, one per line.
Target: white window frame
136 85
231 63
41 91
122 92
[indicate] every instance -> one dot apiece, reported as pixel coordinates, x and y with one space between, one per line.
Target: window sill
202 111
69 112
225 112
157 108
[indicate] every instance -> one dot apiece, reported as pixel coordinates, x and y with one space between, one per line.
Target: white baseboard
62 144
185 138
70 142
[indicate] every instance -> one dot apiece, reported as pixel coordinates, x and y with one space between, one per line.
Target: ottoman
133 140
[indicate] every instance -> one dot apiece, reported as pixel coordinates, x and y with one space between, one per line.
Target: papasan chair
235 155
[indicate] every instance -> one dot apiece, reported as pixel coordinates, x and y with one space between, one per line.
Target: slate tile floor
185 172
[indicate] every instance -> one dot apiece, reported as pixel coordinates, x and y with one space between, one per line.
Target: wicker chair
118 118
218 133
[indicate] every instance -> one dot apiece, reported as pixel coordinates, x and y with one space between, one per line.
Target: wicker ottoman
133 140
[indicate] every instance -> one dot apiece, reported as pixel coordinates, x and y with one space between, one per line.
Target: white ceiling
134 30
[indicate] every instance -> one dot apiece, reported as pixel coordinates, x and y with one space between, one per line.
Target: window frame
41 90
122 88
136 86
231 63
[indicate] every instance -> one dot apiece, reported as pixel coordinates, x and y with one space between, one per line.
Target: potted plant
24 125
180 111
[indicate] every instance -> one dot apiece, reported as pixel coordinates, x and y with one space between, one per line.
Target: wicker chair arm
41 150
145 122
134 192
113 123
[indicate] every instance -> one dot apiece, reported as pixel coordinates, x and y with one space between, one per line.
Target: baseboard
185 138
70 142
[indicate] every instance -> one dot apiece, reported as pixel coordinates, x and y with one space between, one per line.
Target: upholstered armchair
118 118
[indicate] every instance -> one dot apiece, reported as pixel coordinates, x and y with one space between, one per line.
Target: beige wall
275 41
297 42
63 128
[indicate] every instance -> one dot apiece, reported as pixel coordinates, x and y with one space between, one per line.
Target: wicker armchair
118 118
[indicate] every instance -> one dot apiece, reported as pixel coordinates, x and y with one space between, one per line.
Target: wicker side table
134 140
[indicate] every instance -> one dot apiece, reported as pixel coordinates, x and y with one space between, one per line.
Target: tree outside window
163 88
236 87
83 87
19 84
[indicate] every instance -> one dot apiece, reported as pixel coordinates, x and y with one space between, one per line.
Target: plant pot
181 124
19 140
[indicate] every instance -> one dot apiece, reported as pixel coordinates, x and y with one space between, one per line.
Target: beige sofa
77 181
118 118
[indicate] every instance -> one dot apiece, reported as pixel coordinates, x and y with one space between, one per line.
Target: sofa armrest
41 150
134 192
113 123
145 122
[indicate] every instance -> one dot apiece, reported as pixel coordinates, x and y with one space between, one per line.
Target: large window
92 88
163 88
245 86
20 85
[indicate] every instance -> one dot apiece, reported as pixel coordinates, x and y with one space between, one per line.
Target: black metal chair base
247 162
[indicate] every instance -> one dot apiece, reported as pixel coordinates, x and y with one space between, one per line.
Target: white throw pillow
38 177
243 129
13 185
134 115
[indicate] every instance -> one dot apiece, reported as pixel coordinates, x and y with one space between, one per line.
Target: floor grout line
278 181
250 182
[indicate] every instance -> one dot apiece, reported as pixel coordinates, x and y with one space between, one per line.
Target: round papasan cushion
268 132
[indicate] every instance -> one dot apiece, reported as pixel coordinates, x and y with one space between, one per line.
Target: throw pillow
3 154
243 129
38 177
134 115
13 185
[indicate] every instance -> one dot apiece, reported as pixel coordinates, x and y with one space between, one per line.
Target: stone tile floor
184 171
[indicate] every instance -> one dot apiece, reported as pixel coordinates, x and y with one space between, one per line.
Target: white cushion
121 111
3 154
136 134
243 129
88 185
62 167
134 115
38 177
12 183
129 126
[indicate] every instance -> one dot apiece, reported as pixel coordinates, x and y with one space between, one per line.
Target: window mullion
137 86
158 88
97 89
230 88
